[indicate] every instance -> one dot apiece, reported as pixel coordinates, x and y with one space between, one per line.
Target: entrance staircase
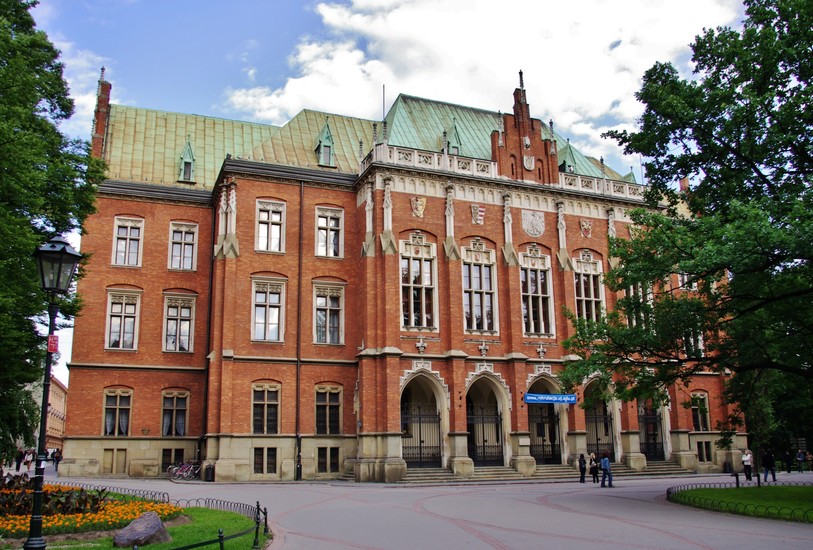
546 472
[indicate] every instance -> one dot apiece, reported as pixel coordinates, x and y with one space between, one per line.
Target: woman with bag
594 467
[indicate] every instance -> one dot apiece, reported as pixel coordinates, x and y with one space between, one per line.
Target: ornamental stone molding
422 367
486 370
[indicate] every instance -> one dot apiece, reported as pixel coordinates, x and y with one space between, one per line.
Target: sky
266 60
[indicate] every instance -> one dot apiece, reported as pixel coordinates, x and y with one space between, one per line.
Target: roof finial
102 77
521 83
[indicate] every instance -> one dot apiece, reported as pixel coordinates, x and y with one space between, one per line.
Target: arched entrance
649 422
599 424
421 442
543 423
484 424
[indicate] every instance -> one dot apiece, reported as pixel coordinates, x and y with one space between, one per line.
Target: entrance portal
543 422
599 429
420 427
484 423
649 421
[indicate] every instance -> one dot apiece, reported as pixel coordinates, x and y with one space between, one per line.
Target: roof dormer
186 169
324 147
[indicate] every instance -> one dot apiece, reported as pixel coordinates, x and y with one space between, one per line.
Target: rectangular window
127 241
417 282
268 311
327 460
704 451
265 460
700 412
329 232
265 409
122 321
270 226
324 155
170 457
536 303
478 297
178 323
328 411
182 246
639 305
117 413
588 296
173 419
328 315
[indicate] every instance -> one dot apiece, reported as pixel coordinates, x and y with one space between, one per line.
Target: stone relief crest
528 162
418 206
478 214
586 228
533 223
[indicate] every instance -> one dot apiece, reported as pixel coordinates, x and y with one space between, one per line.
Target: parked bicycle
187 470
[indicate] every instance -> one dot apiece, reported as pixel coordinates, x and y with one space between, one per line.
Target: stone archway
484 422
421 425
599 424
544 425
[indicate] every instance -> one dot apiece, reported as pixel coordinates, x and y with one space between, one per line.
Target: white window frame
265 213
644 293
706 414
329 214
325 290
534 260
173 427
128 223
266 388
117 393
418 249
126 298
479 260
268 286
586 266
179 301
185 229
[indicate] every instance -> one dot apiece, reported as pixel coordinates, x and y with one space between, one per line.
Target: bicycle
188 470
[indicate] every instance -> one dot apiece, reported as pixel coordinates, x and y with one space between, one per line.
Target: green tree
741 236
47 187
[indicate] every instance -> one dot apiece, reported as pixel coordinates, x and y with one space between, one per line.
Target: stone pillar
459 461
521 459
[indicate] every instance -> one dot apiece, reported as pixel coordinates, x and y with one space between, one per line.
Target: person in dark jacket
18 460
582 468
769 465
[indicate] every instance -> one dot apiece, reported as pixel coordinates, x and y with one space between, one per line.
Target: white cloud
581 59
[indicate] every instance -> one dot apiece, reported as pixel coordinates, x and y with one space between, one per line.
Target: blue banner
550 398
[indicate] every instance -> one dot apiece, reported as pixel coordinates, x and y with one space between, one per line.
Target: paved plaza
632 515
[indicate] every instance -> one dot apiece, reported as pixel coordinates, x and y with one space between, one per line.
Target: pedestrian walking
769 465
57 458
29 458
606 473
787 458
800 461
18 460
594 467
747 463
582 468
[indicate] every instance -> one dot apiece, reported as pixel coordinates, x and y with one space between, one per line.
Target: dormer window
186 172
453 143
324 147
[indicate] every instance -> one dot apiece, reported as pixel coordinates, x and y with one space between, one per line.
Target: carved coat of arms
418 206
533 223
586 228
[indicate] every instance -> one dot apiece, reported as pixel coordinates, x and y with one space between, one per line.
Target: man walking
605 469
768 465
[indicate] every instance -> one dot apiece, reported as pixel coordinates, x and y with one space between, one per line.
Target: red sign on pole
53 343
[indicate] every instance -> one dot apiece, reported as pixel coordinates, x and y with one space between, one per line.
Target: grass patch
794 503
203 526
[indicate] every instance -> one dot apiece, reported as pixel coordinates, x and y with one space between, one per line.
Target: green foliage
774 501
741 130
47 187
16 498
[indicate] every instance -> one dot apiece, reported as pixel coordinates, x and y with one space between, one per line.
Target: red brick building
341 296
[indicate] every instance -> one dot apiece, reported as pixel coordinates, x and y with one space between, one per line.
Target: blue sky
265 60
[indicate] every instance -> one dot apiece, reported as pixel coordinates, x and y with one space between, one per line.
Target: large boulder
145 529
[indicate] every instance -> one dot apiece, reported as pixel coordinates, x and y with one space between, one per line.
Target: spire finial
521 83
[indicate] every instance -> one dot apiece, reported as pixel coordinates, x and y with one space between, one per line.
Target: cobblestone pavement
632 515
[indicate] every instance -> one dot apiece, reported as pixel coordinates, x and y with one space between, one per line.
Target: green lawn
204 526
772 501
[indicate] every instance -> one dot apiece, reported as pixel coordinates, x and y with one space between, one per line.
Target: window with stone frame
265 408
117 405
265 460
589 287
327 460
268 318
418 288
328 410
127 240
639 305
328 314
175 405
329 232
270 226
700 412
122 320
183 246
535 285
479 288
179 322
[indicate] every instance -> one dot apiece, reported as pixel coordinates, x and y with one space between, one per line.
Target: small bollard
736 477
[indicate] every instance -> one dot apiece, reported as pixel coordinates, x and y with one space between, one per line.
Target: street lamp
56 264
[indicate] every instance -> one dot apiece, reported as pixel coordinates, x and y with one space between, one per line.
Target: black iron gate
485 434
544 425
420 436
649 421
600 435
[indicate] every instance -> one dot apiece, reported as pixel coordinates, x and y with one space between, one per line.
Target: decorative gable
186 170
324 147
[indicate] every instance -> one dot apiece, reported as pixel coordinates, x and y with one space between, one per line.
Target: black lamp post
56 263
